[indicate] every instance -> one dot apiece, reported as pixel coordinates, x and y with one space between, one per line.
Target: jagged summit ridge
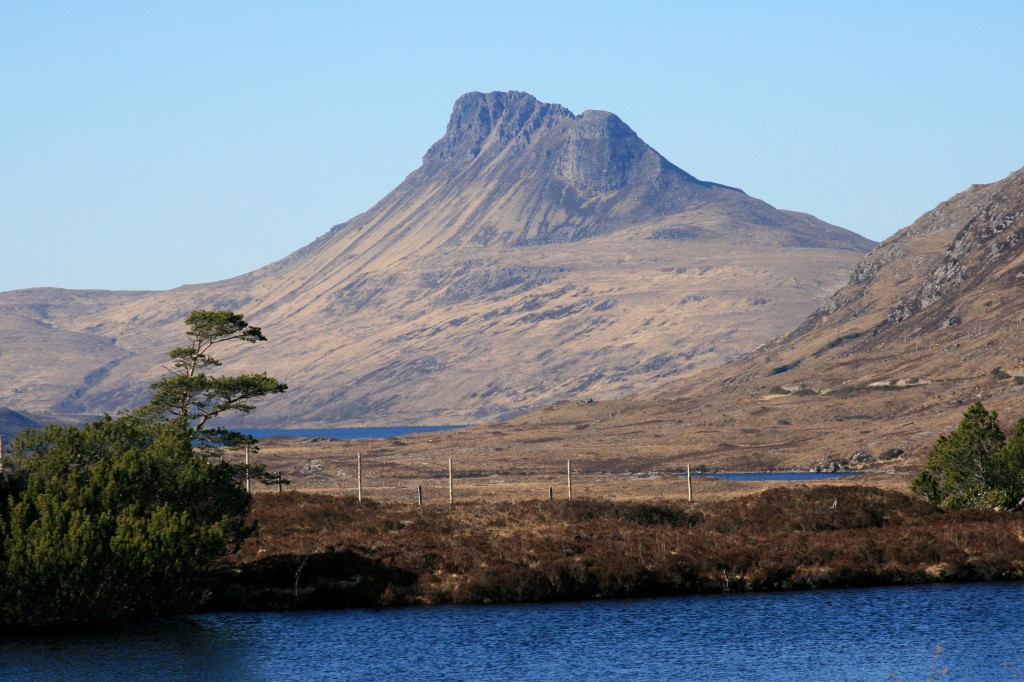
479 120
594 152
555 176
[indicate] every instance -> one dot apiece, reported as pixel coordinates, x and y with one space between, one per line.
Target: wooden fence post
568 476
451 492
689 487
246 468
359 476
419 495
551 493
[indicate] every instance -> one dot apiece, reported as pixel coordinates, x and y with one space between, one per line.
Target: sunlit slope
535 255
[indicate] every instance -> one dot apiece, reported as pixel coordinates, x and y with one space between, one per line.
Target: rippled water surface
864 634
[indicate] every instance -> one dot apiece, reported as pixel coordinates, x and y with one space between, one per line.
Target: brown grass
504 463
321 551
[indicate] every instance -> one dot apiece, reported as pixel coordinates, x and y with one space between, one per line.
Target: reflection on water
864 634
187 648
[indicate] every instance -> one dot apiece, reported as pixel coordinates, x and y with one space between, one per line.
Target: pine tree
1012 459
115 520
973 466
192 396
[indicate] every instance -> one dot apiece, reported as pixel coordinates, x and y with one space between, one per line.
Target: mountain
12 422
930 321
535 255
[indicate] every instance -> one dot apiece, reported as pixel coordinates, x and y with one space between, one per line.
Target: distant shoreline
348 433
775 475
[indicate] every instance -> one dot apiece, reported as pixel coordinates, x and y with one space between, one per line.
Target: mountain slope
930 321
535 255
11 423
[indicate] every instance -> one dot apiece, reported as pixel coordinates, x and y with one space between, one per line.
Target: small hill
536 255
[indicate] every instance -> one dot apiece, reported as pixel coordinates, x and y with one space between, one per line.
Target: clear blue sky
145 145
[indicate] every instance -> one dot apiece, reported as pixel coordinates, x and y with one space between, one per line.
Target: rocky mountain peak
480 120
603 154
986 248
536 255
594 152
941 293
974 239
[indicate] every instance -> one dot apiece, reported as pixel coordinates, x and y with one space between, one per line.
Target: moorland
577 365
328 551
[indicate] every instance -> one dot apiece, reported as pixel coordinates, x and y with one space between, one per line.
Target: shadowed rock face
535 255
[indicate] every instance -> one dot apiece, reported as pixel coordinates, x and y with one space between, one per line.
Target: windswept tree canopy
194 397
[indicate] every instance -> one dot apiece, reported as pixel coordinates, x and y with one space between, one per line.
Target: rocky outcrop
487 121
974 240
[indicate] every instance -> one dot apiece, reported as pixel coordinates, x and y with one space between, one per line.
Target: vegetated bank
321 551
120 518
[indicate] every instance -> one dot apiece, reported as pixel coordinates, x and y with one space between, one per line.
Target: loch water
351 433
855 634
778 475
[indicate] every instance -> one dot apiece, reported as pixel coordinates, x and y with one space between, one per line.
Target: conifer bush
115 520
111 521
975 466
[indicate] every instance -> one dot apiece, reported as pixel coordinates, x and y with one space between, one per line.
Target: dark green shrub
974 466
111 521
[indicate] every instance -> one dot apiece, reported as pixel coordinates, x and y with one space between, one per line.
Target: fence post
451 492
278 481
551 493
689 488
568 476
419 495
359 476
246 468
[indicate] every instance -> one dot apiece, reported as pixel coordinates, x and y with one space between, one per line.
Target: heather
321 551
